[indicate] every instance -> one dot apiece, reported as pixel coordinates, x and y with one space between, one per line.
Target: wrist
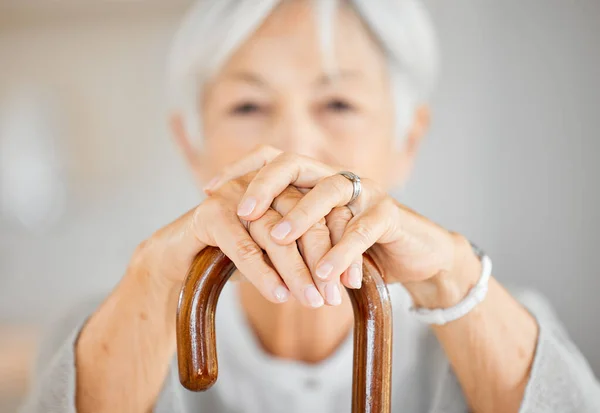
159 291
124 350
448 287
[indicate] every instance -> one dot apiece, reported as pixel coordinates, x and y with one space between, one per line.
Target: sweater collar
237 341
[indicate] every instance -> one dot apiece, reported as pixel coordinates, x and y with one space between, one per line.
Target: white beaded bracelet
441 316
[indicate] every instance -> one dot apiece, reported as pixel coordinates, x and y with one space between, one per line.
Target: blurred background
88 170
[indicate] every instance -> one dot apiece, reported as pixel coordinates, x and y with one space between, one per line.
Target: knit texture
252 381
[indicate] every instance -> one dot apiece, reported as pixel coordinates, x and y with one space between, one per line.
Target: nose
296 130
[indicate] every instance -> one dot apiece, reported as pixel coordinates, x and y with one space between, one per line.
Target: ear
418 130
404 162
192 156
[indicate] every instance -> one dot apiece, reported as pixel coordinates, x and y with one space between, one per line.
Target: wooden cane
196 340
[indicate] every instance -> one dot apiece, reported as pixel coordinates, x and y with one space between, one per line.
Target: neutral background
510 162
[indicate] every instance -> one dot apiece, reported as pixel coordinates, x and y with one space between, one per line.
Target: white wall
512 158
125 175
105 68
510 161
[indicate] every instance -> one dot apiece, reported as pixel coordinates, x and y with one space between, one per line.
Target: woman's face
275 91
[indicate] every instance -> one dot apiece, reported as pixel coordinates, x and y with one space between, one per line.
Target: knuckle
279 204
212 207
285 201
287 157
315 239
299 269
144 256
239 184
302 212
226 171
260 275
319 227
339 216
336 228
259 183
362 233
287 164
264 224
341 185
143 246
264 277
262 148
269 219
248 177
291 192
198 225
270 150
247 250
386 203
142 250
197 216
314 250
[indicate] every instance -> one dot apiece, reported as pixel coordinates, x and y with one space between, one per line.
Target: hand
406 246
285 268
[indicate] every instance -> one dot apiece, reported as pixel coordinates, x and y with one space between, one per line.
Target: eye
246 108
339 105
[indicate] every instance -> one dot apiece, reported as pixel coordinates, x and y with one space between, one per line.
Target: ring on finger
356 185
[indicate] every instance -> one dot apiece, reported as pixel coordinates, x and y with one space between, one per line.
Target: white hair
213 29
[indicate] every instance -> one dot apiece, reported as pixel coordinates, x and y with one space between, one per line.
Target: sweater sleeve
561 379
53 379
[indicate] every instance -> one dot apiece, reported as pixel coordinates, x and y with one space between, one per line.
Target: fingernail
332 292
281 294
355 276
211 183
281 230
313 296
324 270
246 207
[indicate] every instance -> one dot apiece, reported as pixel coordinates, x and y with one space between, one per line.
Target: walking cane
196 340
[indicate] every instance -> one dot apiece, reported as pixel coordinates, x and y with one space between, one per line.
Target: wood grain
196 339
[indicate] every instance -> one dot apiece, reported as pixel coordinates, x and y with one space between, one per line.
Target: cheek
362 143
228 140
365 144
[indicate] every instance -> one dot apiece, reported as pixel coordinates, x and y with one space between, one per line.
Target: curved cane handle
196 340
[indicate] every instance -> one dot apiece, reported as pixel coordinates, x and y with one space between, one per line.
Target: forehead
297 41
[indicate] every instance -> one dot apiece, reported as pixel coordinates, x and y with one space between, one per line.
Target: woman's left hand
490 349
406 246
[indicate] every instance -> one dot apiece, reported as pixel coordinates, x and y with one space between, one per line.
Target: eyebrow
323 80
327 79
250 77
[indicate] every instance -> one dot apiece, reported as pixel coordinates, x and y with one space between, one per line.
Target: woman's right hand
167 255
124 349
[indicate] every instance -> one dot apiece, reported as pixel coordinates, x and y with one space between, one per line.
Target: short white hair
212 30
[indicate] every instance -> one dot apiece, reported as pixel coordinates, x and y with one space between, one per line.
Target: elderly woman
272 100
